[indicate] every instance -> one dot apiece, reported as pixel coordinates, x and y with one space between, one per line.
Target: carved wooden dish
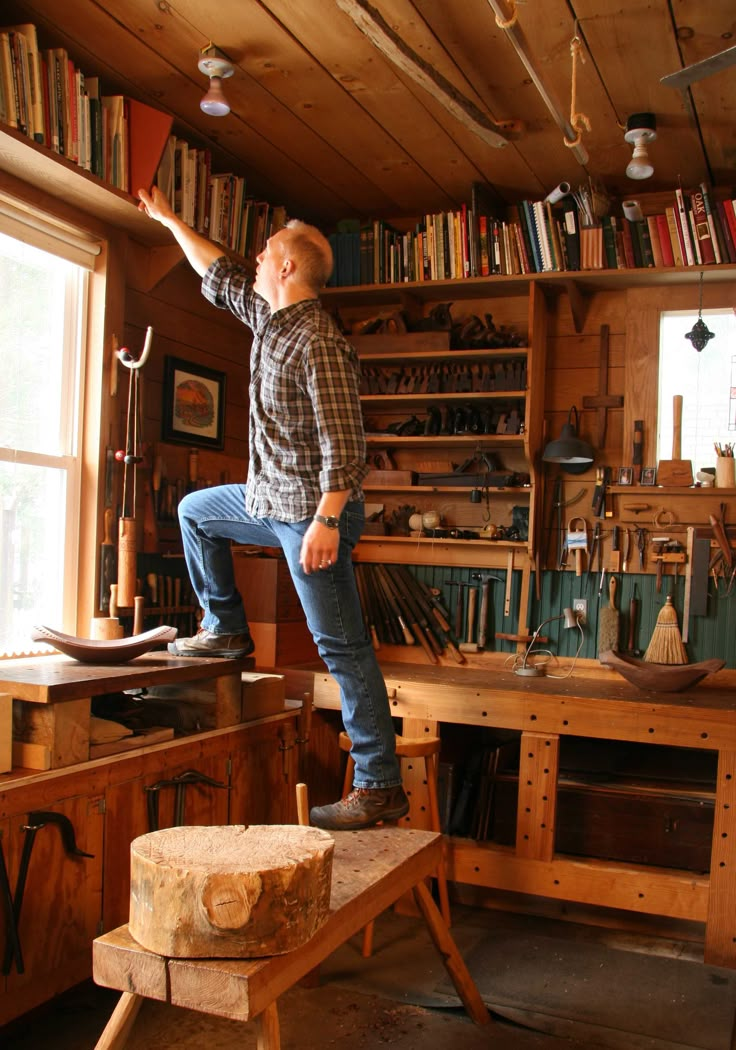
660 678
104 651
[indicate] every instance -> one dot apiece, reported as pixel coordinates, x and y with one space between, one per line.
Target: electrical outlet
580 608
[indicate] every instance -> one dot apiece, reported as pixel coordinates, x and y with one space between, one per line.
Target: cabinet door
62 901
264 776
128 806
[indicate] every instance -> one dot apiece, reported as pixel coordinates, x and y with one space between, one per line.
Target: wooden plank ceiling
323 122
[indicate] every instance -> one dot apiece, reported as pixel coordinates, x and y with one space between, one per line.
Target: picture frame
648 476
626 475
193 404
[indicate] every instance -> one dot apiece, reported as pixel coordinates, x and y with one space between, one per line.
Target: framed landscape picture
193 404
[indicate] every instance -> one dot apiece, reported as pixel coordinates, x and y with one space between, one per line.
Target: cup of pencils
725 473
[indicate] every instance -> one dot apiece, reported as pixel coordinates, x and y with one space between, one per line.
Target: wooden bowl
660 678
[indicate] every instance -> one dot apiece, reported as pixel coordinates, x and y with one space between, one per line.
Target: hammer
485 582
469 646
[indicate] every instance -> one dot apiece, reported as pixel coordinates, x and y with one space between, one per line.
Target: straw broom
665 645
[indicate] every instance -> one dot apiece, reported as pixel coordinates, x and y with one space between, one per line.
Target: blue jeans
210 519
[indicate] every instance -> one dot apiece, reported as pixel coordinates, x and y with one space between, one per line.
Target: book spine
609 242
652 230
674 232
665 244
729 235
710 218
684 228
701 228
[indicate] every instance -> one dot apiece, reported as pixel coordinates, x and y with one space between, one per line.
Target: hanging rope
578 120
507 23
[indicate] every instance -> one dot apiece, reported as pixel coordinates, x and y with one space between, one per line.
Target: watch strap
330 522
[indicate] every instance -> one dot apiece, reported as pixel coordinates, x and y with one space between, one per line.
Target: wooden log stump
229 892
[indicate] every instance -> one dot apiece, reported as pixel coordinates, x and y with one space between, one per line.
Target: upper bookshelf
586 281
56 176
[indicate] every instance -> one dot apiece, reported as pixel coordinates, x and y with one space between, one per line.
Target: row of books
214 204
124 142
535 237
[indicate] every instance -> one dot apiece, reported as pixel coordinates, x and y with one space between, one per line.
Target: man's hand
200 252
156 206
319 548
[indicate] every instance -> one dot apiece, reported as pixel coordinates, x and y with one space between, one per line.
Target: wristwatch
331 522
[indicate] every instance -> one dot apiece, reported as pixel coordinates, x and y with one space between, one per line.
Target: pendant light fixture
641 129
700 335
573 454
217 66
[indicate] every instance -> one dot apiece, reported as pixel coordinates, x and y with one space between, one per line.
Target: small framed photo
193 404
649 475
626 475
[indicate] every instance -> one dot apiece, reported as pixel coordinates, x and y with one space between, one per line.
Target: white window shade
47 233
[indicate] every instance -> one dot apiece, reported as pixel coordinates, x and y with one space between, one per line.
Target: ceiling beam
515 35
371 23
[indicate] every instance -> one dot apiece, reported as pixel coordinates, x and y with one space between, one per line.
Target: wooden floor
358 1003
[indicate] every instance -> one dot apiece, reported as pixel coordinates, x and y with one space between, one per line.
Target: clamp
577 545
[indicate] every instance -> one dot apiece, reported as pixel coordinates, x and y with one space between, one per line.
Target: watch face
330 522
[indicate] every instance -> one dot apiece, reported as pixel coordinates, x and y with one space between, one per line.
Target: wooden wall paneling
126 40
328 94
371 80
56 928
714 97
470 34
263 776
620 39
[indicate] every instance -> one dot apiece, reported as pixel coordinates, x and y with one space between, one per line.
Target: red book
148 133
728 235
665 243
729 211
701 227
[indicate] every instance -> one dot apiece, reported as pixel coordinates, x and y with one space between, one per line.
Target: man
307 460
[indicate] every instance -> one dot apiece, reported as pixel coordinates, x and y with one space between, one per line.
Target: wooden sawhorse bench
371 870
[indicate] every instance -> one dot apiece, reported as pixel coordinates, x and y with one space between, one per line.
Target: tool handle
612 586
633 620
472 603
677 426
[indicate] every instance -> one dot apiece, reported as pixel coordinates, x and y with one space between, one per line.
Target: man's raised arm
200 251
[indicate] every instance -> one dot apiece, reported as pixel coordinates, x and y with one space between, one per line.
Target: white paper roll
557 193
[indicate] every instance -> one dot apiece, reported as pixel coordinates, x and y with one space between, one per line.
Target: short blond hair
312 253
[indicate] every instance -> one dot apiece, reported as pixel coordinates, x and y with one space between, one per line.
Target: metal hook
127 359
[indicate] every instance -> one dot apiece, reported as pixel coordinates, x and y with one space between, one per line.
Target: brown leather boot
362 808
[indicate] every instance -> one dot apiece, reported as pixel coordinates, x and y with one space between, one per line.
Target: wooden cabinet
478 407
62 899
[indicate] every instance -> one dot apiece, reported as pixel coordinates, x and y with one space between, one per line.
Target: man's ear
287 267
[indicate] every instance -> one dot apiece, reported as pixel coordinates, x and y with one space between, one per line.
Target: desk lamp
526 670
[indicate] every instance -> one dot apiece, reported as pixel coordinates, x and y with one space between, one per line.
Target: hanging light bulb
641 129
214 64
700 335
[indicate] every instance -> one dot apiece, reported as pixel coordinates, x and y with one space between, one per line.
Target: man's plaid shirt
306 430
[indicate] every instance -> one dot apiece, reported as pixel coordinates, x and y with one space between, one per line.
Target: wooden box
263 694
277 622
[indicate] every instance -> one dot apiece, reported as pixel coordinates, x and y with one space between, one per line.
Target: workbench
371 870
596 705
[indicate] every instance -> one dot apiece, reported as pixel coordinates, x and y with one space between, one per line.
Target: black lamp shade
573 454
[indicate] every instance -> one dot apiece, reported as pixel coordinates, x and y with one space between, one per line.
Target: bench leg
453 960
117 1029
269 1035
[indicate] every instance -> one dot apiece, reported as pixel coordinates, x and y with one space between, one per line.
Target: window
43 297
706 380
